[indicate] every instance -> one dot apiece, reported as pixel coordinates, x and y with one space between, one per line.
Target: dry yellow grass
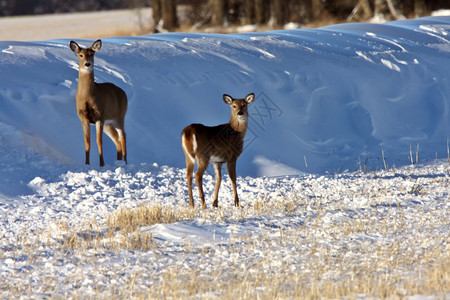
391 270
130 220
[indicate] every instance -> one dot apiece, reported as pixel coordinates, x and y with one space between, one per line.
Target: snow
441 12
340 113
75 25
368 82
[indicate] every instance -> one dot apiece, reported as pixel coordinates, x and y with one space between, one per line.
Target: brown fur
102 104
218 144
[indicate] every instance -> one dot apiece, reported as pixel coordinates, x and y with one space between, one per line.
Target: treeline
280 12
237 12
33 7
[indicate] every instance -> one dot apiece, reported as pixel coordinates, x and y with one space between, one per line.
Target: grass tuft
130 220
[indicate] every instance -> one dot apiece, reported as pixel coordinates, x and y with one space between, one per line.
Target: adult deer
102 104
218 144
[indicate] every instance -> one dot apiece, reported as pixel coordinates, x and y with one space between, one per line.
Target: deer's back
218 143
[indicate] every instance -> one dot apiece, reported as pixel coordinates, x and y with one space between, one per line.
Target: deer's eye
81 55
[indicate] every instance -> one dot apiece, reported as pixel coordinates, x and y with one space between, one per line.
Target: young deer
219 144
102 104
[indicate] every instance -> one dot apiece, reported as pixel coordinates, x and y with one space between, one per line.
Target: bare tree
280 12
364 7
156 13
169 12
164 10
217 8
248 11
262 11
396 14
420 8
317 8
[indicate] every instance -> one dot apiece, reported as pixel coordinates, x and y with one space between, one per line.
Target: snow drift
327 99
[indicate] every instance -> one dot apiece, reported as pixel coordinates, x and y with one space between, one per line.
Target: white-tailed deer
218 144
102 104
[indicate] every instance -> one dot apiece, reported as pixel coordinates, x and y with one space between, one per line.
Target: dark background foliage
239 12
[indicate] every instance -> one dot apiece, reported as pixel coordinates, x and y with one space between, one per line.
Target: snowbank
328 99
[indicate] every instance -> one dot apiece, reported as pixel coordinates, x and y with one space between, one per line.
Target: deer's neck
239 125
85 83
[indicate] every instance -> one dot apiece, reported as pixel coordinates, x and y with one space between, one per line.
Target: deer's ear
227 99
74 46
96 45
250 98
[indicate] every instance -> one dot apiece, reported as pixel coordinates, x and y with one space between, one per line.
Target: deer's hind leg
111 131
122 138
201 168
189 174
123 142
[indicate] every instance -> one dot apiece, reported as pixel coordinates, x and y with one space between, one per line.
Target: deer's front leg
87 138
218 174
99 129
231 167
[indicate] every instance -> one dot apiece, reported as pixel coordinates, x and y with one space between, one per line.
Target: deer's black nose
240 113
88 64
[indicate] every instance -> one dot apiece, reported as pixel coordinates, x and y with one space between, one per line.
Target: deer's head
239 107
86 55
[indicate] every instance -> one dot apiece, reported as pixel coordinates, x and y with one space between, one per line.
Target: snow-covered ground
378 234
331 203
75 25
